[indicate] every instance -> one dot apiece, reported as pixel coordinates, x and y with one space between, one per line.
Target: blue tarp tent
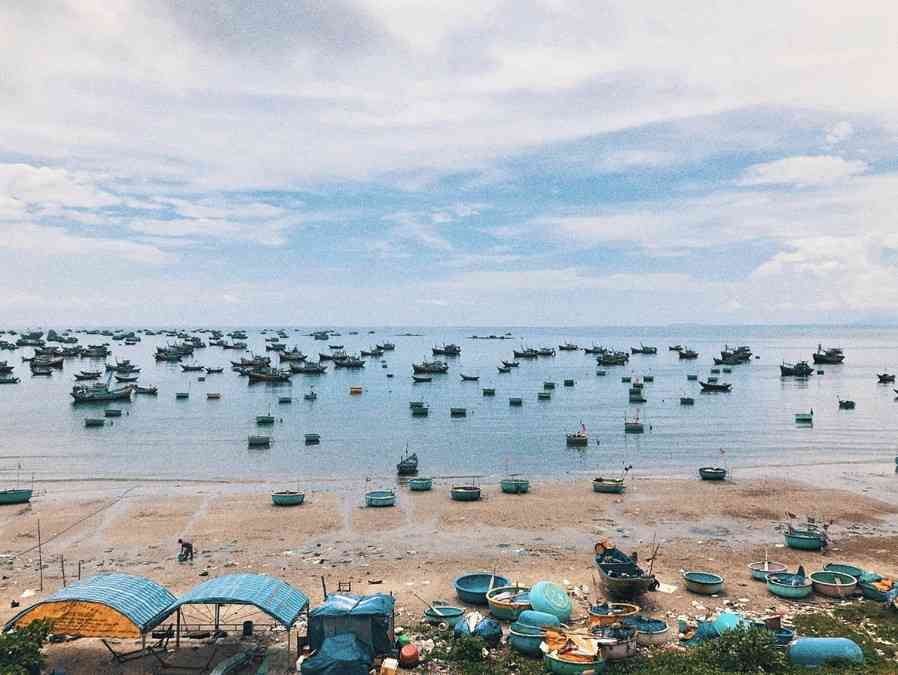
368 617
340 655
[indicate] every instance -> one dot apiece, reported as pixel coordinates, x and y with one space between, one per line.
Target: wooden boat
420 411
687 355
94 422
544 396
833 584
687 400
9 380
568 347
761 569
800 369
790 586
832 356
308 368
458 412
214 371
98 393
147 391
259 441
182 395
692 378
263 420
716 386
578 438
703 583
515 486
356 391
608 485
15 496
192 368
808 539
380 498
430 367
312 439
503 370
846 404
515 402
489 391
213 396
511 364
527 353
469 378
420 484
418 379
408 464
804 418
309 396
287 498
712 473
285 400
112 412
643 349
507 602
633 426
465 493
885 378
126 378
82 377
269 375
619 574
447 350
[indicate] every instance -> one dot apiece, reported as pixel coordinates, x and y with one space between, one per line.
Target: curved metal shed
103 606
277 599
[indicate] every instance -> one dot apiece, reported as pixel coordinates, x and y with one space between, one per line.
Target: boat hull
380 498
805 542
465 494
420 484
515 486
608 486
288 498
780 585
15 496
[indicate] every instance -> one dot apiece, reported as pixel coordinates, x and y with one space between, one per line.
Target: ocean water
162 438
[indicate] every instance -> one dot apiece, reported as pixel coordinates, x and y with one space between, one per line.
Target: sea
42 432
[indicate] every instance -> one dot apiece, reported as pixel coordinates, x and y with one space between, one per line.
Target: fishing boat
287 498
380 498
578 438
548 385
92 422
601 373
350 363
687 400
192 368
633 426
620 575
568 347
430 367
15 496
703 583
503 370
408 464
790 586
270 375
82 377
182 395
259 441
691 378
465 493
544 396
675 348
112 412
469 378
147 391
545 351
213 396
810 538
885 378
511 364
526 353
420 411
514 486
715 387
488 391
458 412
687 354
800 369
515 402
309 396
214 371
643 349
447 350
292 355
613 359
832 355
846 404
386 346
804 418
608 485
264 420
6 379
421 379
124 379
97 393
309 368
40 371
712 473
312 439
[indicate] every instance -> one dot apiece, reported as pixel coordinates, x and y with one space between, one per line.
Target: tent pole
178 629
217 612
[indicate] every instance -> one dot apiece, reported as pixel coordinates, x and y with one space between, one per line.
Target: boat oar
432 608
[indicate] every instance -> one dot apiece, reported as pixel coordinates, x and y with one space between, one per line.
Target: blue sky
412 163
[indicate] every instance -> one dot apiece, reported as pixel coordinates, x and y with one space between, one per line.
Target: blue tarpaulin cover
368 617
340 655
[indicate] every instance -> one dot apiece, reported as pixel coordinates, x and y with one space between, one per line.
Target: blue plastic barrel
813 652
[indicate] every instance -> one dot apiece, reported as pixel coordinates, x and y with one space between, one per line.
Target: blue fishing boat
15 496
380 498
420 484
408 464
811 538
465 493
619 573
712 473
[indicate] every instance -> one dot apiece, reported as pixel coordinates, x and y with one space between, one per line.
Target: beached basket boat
507 602
844 568
557 665
609 613
526 639
712 473
834 584
805 540
465 493
760 569
619 641
472 588
287 498
649 631
437 614
790 586
515 486
608 485
703 583
420 484
380 498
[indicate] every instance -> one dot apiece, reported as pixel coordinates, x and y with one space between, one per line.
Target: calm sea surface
365 435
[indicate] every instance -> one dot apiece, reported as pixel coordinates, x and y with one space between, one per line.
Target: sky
400 162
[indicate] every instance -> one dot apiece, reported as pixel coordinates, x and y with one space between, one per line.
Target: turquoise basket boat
526 639
608 485
851 570
516 600
833 584
443 614
15 496
712 473
790 586
380 498
287 498
871 592
760 570
703 583
515 486
420 484
472 588
805 540
555 665
465 493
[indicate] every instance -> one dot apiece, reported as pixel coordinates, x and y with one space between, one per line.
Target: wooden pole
79 570
40 556
62 567
178 629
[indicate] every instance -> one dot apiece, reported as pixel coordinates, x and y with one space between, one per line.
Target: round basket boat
608 485
380 498
443 614
465 493
789 586
472 588
420 484
551 599
703 583
509 608
712 473
648 631
805 540
833 584
558 666
287 498
610 613
760 569
515 486
844 568
525 639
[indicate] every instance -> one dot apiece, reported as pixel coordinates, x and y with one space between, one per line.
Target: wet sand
421 545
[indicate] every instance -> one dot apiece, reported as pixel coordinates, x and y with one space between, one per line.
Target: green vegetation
20 650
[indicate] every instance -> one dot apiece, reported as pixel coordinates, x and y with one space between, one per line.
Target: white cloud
803 171
266 234
42 186
621 161
839 132
56 242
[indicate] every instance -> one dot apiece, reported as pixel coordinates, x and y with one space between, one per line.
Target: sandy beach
420 546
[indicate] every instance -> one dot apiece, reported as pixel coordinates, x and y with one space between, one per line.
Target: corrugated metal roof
279 600
139 599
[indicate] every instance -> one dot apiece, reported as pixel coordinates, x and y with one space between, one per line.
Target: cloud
838 133
56 242
802 171
625 160
265 234
41 186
